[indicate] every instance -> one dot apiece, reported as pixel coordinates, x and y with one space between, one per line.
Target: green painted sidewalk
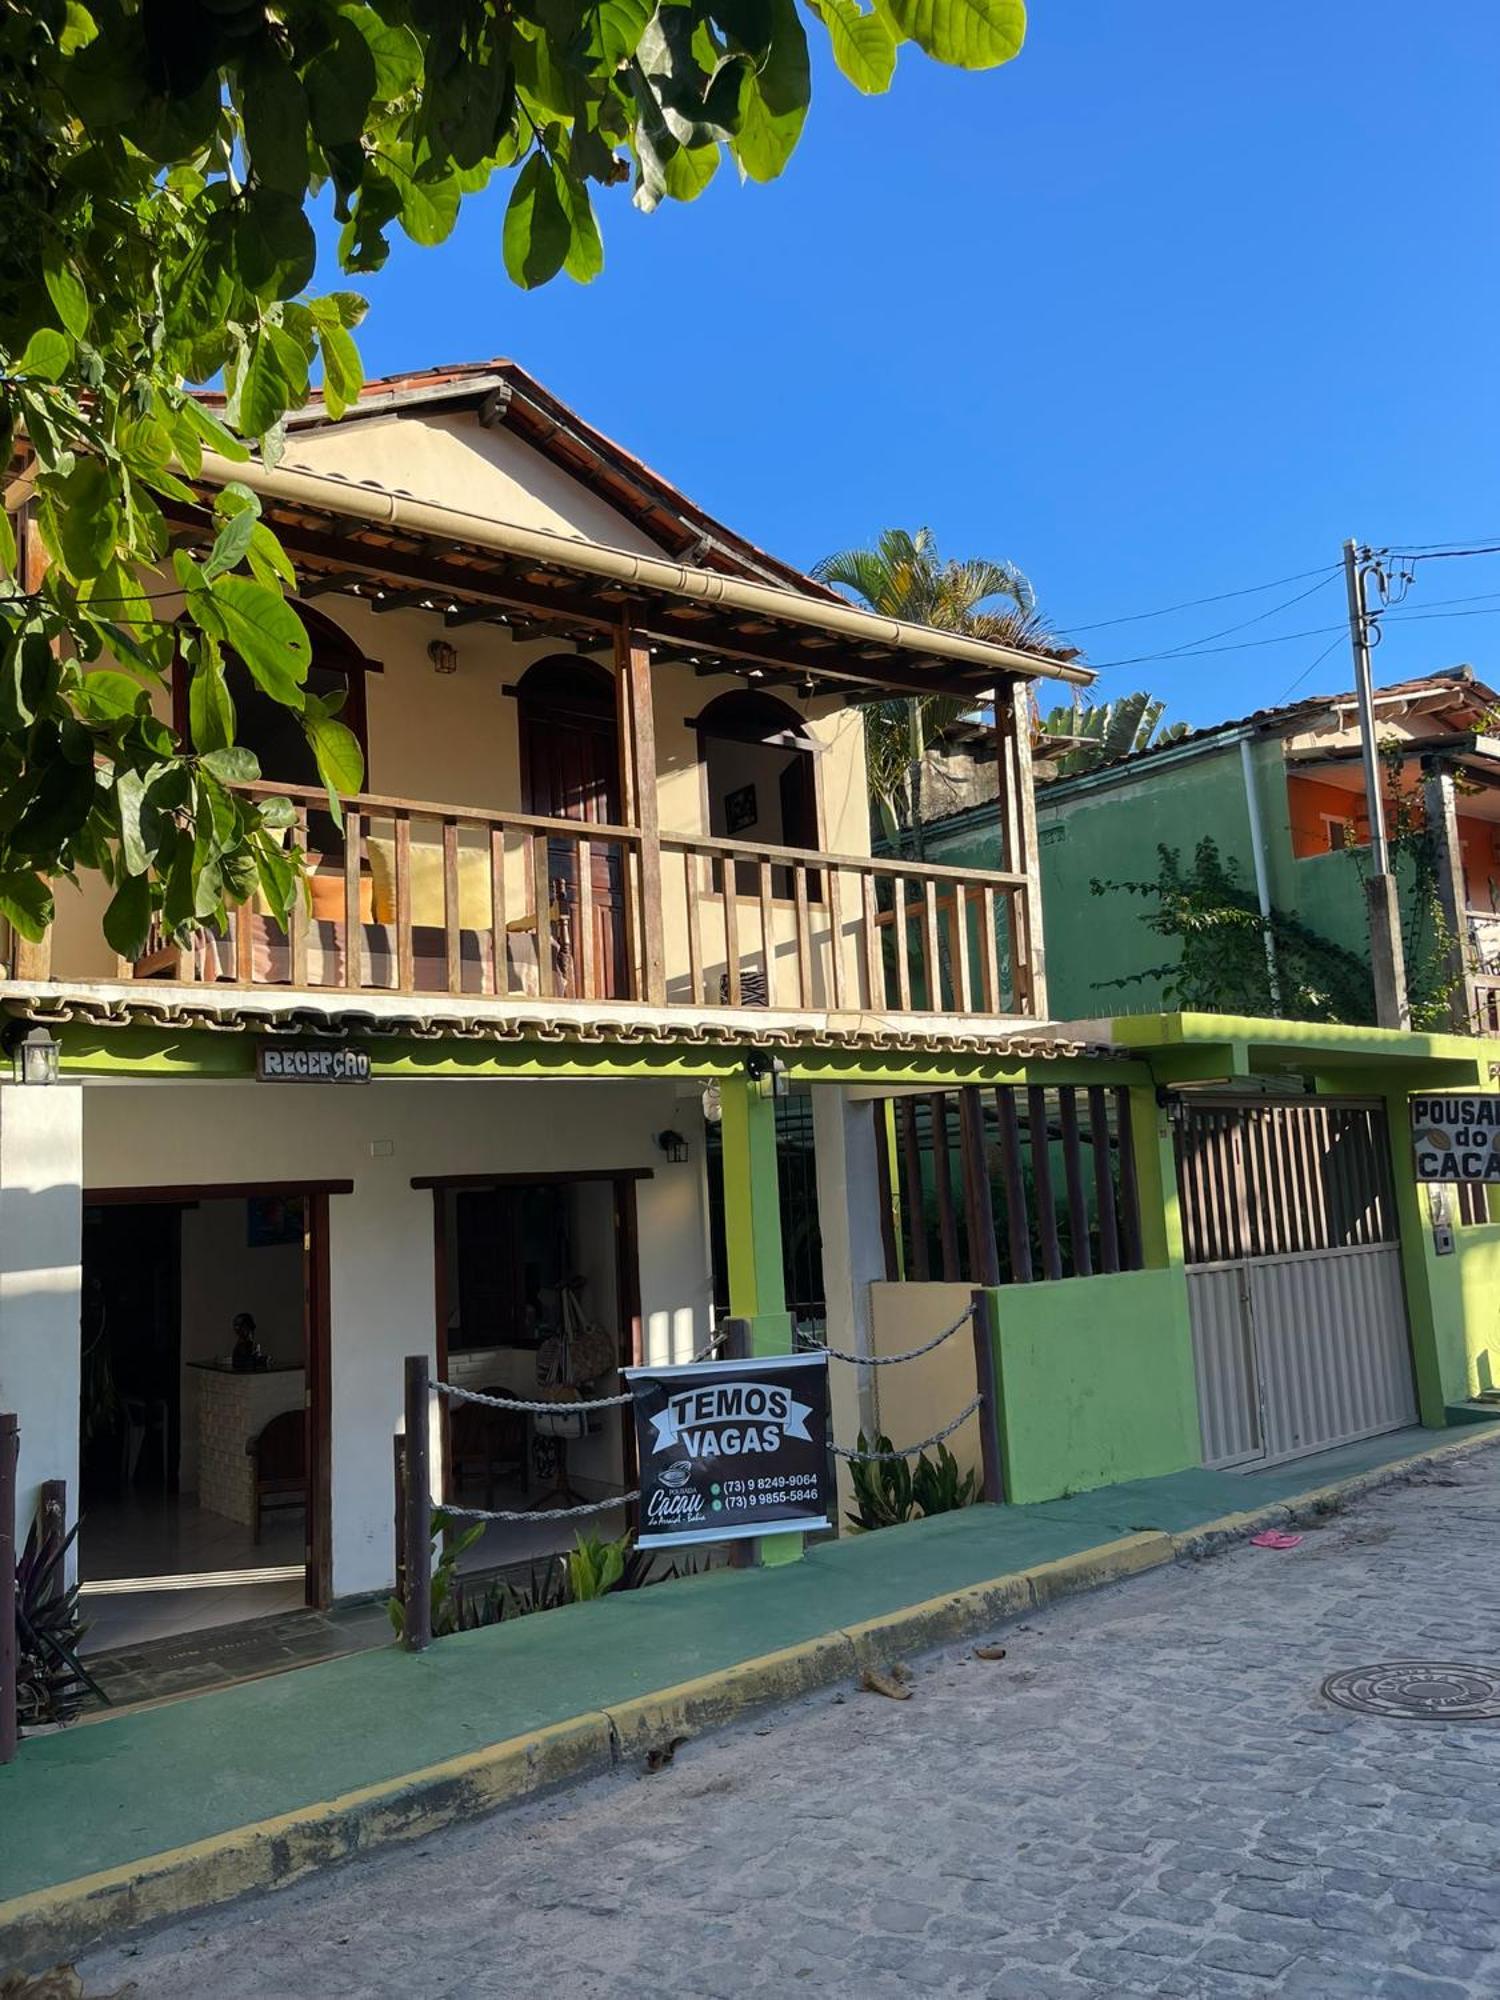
118 1792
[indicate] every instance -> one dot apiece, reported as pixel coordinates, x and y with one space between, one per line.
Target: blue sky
1167 307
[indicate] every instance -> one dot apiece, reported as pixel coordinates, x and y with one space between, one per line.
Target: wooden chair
280 1455
488 1442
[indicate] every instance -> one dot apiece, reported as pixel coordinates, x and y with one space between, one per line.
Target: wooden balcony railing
417 898
780 927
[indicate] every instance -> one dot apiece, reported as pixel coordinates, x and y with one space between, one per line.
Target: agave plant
51 1681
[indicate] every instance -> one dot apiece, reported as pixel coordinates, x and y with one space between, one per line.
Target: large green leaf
343 376
774 96
231 544
275 118
65 289
966 34
688 171
275 250
130 796
266 633
88 517
340 84
538 230
863 46
26 903
127 921
585 258
341 763
267 387
211 716
48 355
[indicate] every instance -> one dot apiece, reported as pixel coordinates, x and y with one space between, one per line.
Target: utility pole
1387 958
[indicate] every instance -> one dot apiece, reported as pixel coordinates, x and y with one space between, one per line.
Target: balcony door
570 770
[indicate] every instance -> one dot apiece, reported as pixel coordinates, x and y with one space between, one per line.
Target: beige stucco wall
453 461
918 1398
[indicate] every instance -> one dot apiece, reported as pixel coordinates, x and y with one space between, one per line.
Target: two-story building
610 876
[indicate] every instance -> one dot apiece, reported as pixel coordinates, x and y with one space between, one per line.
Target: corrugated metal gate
1294 1276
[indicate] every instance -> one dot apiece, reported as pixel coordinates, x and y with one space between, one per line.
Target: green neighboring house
1287 781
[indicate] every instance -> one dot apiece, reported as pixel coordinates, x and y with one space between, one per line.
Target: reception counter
229 1410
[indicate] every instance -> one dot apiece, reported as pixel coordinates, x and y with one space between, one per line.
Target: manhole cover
1419 1691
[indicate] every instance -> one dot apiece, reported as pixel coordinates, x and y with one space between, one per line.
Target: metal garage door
1294 1276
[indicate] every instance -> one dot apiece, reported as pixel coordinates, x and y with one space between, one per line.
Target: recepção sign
302 1062
1456 1138
729 1449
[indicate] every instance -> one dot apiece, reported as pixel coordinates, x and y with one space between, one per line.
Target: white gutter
288 486
1258 854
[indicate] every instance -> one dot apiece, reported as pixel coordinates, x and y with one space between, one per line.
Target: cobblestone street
1147 1796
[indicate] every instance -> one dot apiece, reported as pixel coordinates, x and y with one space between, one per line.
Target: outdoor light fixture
674 1146
443 655
768 1074
713 1105
33 1057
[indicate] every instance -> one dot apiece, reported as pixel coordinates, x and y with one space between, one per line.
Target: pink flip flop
1275 1538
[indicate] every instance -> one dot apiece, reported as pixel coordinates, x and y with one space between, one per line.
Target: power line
1245 624
1282 639
1312 667
1193 603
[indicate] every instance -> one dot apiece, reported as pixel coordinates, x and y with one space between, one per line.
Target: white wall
381 1244
41 1244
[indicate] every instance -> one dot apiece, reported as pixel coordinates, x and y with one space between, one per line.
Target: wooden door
570 768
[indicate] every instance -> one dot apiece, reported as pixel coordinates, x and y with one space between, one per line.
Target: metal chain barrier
550 1409
557 1407
890 1360
910 1450
540 1513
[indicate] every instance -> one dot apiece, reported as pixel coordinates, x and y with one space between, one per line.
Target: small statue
249 1356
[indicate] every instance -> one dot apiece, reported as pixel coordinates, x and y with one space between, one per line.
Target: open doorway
538 1298
203 1409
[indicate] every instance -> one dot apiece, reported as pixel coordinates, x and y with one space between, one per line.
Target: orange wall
1480 841
1307 799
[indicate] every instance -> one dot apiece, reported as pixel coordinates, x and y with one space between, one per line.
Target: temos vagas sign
1456 1138
311 1062
731 1448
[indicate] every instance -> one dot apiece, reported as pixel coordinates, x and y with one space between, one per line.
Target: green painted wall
1112 832
1096 1382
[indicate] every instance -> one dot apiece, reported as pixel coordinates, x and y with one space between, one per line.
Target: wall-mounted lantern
34 1057
674 1146
768 1074
443 655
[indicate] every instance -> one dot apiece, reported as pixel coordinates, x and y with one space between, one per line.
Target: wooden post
10 1451
988 1382
398 1454
979 1210
1018 817
633 665
418 1633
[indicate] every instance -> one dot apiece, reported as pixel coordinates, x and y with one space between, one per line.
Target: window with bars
1472 1202
1057 1174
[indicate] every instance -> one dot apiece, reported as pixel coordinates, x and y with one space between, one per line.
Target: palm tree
904 576
1099 732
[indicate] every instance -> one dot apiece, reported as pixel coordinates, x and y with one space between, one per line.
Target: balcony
436 900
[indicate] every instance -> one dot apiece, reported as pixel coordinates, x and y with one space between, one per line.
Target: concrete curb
60 1922
1307 1509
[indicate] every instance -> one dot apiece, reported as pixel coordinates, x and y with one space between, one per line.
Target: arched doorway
570 769
760 769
